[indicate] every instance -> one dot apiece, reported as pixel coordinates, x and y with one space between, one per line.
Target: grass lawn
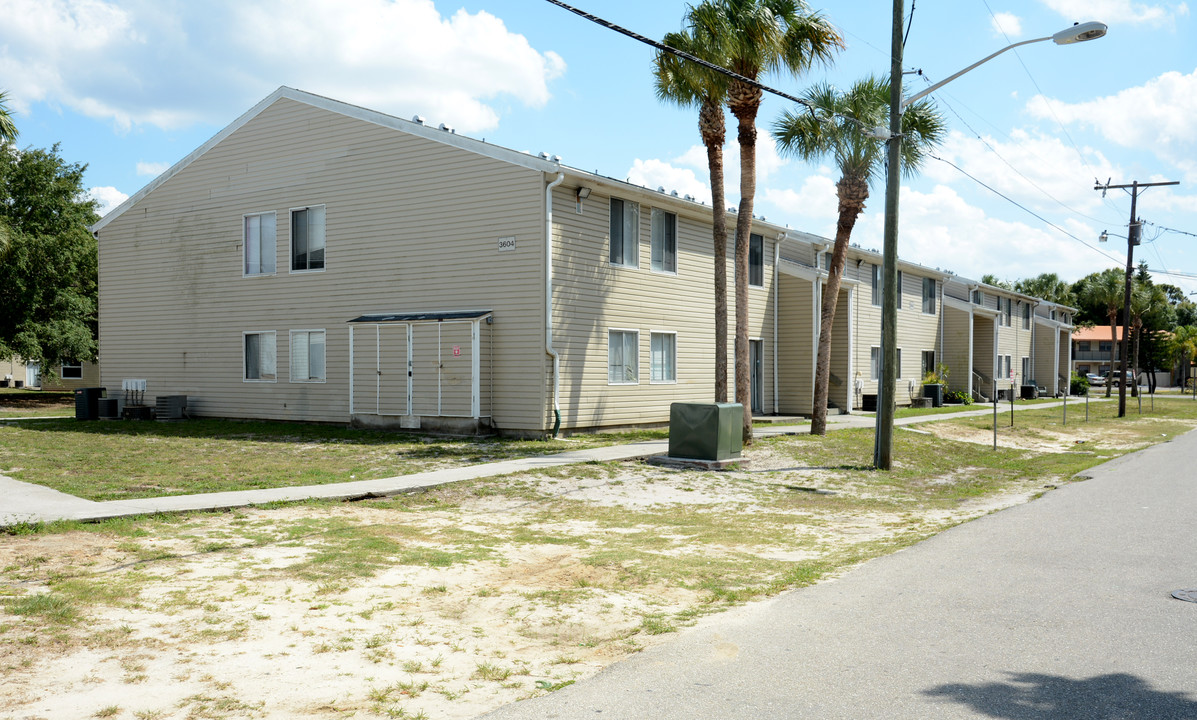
115 460
21 403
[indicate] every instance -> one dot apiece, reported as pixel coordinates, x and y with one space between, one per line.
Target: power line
1168 229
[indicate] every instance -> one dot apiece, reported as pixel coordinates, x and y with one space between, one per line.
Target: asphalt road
1058 609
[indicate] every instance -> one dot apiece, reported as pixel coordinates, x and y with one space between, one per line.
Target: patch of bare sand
239 632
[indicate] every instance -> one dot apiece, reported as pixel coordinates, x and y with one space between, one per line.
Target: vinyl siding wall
797 343
592 297
957 346
411 226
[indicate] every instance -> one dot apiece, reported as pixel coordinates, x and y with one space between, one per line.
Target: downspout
939 352
776 335
548 300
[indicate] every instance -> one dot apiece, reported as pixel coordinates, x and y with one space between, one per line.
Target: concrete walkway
22 502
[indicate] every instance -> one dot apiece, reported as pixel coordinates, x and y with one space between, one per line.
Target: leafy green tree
688 84
48 276
1105 290
1047 286
994 280
755 38
8 129
1184 348
1147 301
835 127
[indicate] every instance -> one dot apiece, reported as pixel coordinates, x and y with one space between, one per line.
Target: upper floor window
307 238
899 289
929 295
978 298
876 285
756 260
258 243
625 233
1026 316
1083 346
1009 313
664 242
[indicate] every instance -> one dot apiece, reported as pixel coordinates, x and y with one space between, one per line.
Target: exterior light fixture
1080 33
1103 237
583 193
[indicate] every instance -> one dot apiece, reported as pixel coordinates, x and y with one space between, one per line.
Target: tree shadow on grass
1034 696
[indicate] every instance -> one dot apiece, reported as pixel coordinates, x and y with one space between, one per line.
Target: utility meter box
705 431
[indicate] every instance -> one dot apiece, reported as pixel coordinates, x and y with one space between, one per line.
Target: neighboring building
1091 349
320 261
70 375
1003 340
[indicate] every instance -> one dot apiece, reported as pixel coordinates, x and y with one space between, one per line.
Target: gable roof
1097 332
445 136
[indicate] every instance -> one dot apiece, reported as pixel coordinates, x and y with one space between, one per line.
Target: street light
883 442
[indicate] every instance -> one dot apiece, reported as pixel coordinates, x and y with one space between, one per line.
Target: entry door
426 369
755 355
394 371
33 375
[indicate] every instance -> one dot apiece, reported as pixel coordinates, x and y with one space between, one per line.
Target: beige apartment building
323 262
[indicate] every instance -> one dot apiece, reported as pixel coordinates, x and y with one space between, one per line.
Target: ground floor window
1026 370
1082 369
261 356
71 370
307 355
664 357
623 357
875 363
928 362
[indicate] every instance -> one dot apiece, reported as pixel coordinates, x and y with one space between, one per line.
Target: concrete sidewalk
22 502
1058 609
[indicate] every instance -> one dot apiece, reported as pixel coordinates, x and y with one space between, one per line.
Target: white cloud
171 64
1118 11
658 173
152 169
1037 170
1159 116
814 200
107 197
768 164
1007 25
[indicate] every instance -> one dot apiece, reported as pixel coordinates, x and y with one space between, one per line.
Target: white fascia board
372 116
806 272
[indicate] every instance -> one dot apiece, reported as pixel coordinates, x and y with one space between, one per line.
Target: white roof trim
389 121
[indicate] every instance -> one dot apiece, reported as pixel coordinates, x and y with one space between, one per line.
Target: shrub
958 396
1079 384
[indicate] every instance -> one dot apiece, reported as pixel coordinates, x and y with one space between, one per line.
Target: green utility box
705 431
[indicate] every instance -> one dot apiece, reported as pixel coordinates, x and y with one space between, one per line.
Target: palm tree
8 129
688 84
836 126
1184 347
1145 299
1106 290
755 38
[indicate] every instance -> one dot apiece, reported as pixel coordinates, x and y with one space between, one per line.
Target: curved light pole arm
945 81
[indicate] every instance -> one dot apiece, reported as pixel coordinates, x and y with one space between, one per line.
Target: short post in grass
995 404
1011 404
1086 404
1066 394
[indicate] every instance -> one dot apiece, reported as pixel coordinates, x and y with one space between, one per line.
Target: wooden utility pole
1133 234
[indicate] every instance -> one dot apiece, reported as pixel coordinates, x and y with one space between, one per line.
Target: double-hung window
929 295
978 298
928 361
307 238
71 370
625 233
664 242
876 285
623 357
1026 316
664 357
1009 313
258 241
1026 369
875 363
756 260
899 290
307 356
261 356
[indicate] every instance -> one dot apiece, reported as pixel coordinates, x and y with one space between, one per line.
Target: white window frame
1026 315
245 244
899 289
899 359
245 357
652 371
923 360
1026 368
291 239
291 355
877 281
753 238
657 250
75 367
622 331
630 257
875 361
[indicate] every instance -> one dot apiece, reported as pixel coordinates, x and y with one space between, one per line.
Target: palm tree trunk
1135 364
852 197
711 126
1113 348
746 134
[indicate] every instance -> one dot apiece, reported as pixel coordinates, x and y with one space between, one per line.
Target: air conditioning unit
170 407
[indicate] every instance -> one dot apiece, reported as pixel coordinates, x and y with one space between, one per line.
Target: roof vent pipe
417 119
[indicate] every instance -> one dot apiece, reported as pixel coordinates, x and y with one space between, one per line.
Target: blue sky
131 86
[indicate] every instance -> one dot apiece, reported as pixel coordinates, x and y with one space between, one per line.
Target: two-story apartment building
1091 348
